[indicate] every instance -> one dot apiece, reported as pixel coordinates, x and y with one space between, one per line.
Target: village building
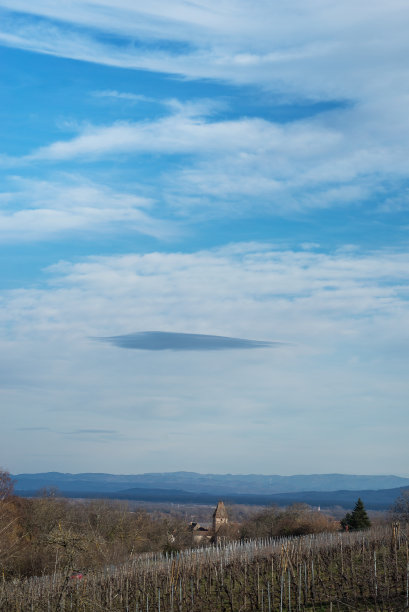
203 535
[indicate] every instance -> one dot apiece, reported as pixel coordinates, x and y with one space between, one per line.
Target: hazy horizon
217 474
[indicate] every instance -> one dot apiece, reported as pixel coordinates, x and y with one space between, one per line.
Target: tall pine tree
357 519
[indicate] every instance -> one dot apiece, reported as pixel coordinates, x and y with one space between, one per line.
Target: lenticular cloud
162 341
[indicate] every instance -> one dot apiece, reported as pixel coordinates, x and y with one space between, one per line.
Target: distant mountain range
378 492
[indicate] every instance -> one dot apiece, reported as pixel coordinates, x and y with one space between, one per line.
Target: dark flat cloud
70 433
92 431
163 341
33 429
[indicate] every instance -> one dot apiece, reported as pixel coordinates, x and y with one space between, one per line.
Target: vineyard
331 571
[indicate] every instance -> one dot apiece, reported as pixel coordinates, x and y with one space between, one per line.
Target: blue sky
189 180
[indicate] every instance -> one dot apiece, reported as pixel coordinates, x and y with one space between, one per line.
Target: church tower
220 517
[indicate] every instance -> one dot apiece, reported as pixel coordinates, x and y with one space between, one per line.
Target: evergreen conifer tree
357 519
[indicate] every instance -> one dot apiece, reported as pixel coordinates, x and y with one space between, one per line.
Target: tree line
49 534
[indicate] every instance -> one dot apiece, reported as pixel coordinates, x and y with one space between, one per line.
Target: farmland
329 571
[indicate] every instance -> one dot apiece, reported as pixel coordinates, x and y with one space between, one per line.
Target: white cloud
122 95
38 210
318 162
303 297
322 49
343 316
341 380
173 134
352 53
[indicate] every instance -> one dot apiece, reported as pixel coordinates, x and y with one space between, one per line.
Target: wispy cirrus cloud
174 134
122 95
320 162
295 48
298 52
35 210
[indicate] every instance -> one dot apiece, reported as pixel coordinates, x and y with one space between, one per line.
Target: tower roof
220 511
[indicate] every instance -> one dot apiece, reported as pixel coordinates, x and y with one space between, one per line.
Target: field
339 571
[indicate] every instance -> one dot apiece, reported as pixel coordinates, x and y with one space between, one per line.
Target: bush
298 519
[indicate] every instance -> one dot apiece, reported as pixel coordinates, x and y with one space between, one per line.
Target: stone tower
220 517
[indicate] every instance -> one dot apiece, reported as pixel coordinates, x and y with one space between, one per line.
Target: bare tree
6 485
400 508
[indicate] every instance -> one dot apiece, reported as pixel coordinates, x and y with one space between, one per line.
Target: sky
204 224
